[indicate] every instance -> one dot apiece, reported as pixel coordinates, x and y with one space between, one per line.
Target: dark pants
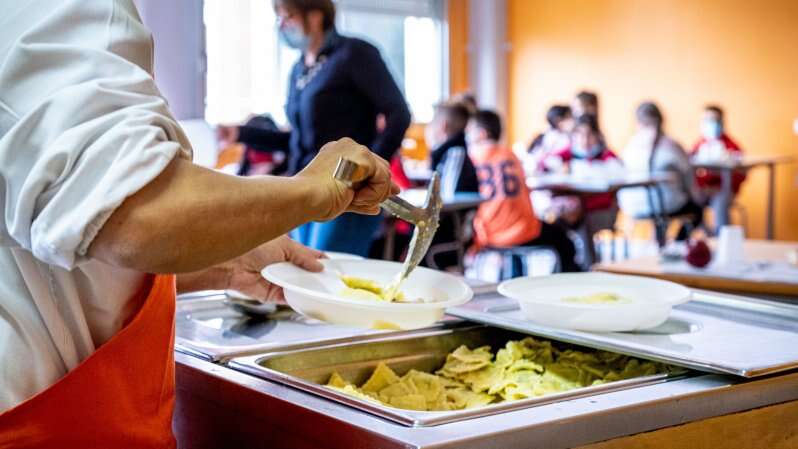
557 238
349 233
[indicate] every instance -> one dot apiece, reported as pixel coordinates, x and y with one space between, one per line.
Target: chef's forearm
190 218
214 278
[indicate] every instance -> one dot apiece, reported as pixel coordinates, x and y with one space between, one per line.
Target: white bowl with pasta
323 296
596 302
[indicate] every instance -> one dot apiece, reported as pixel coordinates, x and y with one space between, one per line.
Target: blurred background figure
338 87
587 157
585 102
506 219
468 100
652 151
262 160
445 137
556 138
715 146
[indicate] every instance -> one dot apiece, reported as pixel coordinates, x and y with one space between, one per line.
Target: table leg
771 199
727 192
660 221
460 234
590 246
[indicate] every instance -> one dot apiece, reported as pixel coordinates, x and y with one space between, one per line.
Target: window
248 69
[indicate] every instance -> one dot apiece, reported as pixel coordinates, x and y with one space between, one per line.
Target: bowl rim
503 289
468 293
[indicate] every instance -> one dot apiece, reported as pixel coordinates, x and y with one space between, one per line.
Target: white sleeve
82 125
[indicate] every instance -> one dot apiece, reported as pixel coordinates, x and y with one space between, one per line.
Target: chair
517 261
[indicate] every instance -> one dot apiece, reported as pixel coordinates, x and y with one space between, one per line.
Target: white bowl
342 256
541 300
317 295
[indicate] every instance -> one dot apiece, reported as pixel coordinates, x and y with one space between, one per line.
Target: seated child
445 137
652 150
556 138
587 156
507 219
716 146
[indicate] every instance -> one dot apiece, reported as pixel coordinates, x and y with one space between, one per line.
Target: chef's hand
244 272
334 197
227 135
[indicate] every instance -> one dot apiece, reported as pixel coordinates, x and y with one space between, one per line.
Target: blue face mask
711 129
588 153
294 38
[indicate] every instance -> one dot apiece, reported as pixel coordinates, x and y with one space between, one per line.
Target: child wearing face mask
507 219
587 156
716 146
652 150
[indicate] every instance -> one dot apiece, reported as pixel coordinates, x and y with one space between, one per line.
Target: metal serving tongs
425 219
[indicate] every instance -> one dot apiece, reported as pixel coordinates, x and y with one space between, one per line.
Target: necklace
307 76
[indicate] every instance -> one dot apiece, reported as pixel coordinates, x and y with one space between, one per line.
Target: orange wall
458 46
680 53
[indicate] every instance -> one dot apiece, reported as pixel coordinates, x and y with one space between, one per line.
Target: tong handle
349 172
352 174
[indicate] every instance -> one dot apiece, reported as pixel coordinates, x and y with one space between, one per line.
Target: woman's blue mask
294 38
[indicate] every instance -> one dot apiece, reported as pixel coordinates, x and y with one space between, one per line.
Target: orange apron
121 396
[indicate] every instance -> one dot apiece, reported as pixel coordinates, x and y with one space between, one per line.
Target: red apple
698 253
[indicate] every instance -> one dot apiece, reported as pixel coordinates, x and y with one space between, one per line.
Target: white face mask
648 133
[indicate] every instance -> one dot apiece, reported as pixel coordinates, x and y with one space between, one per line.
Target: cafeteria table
583 187
726 168
752 278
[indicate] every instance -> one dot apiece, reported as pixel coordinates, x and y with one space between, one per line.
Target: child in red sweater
716 146
587 153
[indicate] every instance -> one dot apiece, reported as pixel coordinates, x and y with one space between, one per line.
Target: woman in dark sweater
337 89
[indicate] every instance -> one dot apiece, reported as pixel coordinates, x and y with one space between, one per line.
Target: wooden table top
755 251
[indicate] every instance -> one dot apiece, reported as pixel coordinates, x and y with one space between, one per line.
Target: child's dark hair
588 98
717 110
648 113
590 121
557 113
490 122
456 115
304 7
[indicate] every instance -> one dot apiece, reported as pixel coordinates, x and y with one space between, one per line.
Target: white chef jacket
82 127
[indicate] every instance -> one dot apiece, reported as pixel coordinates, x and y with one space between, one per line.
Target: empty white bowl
318 295
647 304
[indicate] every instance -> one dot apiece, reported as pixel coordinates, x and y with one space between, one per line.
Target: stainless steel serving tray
714 332
308 369
206 327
